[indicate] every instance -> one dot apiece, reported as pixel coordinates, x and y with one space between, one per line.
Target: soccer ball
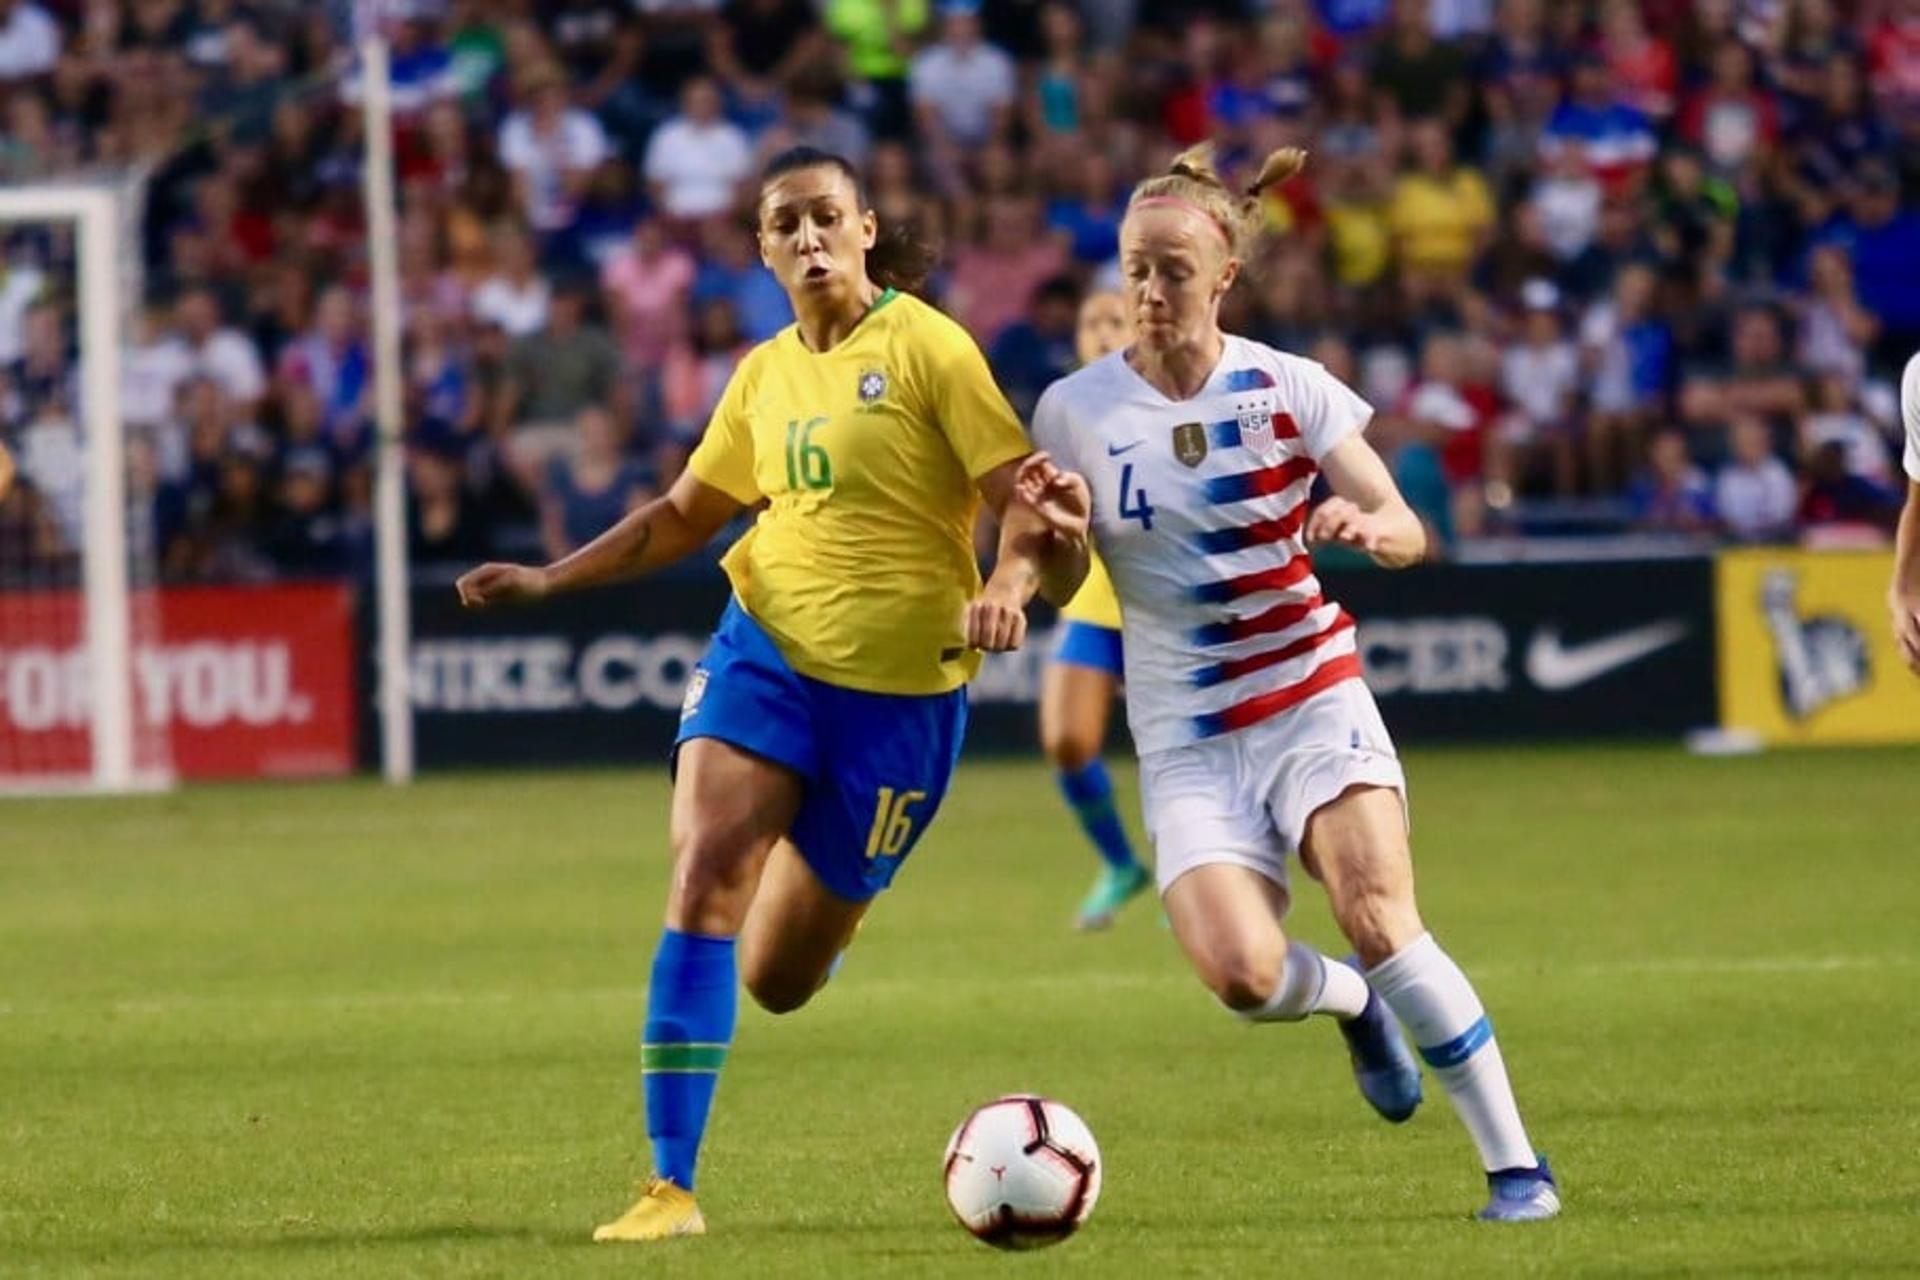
1022 1172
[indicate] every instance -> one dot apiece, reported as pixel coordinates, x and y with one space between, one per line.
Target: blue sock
1090 792
692 1001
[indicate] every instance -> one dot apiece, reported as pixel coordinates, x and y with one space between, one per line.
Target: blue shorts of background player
876 765
1088 644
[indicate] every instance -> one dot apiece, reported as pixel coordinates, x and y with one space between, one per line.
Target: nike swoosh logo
1113 452
1554 665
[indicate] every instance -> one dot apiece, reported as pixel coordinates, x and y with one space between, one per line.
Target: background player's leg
1227 918
1357 847
1075 702
729 807
794 931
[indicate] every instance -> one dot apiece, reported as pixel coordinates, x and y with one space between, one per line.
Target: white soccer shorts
1244 798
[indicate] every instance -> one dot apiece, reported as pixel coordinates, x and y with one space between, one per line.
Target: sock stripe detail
682 1058
1460 1048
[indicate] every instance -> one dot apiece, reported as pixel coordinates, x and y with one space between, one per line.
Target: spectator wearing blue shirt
1091 214
1616 140
1886 260
1031 354
588 492
729 270
1673 495
1351 17
610 207
305 539
333 359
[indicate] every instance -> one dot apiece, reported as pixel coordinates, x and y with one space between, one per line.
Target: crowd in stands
1603 266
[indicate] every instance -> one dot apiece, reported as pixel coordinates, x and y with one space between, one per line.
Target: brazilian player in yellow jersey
1080 680
822 727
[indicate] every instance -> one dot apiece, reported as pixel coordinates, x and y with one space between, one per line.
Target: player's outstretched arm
672 526
1366 512
1904 595
1043 547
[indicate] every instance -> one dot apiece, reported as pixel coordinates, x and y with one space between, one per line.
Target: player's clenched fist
493 584
1340 521
995 625
6 473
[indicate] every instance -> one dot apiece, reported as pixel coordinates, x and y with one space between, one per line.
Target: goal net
81 658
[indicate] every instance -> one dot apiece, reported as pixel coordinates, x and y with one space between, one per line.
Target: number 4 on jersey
1133 502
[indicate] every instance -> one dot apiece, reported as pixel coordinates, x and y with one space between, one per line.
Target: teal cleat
1113 890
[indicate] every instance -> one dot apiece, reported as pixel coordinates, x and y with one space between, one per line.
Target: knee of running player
1244 973
1357 848
1372 901
777 988
715 868
1070 746
1070 750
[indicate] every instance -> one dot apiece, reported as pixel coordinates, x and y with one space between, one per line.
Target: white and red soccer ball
1022 1172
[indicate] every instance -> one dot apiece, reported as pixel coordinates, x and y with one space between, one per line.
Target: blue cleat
1522 1195
1383 1066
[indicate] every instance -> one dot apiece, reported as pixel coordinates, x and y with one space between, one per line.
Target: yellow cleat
663 1211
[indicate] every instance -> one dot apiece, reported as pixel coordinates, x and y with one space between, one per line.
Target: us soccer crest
1190 442
1256 428
873 385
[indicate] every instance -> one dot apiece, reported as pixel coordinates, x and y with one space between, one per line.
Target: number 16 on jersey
892 824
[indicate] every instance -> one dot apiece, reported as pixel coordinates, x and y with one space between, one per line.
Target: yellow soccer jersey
1096 601
861 566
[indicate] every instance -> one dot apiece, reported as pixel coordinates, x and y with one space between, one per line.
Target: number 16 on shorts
892 824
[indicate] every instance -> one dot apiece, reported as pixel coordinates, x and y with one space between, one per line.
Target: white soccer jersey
1910 416
1199 510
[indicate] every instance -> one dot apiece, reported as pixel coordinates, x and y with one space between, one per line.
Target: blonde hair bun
1194 178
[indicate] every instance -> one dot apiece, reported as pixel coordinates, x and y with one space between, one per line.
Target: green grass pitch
342 1030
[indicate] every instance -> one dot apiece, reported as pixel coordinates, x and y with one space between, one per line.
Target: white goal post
106 284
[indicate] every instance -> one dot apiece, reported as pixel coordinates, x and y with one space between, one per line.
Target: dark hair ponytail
901 257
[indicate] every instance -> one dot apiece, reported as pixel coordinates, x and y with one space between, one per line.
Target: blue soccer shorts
876 765
1088 644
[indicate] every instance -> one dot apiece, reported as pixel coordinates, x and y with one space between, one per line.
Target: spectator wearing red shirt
994 277
1640 64
1454 414
1732 122
1895 50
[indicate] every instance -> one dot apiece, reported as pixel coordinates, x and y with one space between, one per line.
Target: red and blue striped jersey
1200 508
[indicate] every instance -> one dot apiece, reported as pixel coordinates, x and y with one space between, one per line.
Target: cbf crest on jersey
1190 442
1256 428
873 385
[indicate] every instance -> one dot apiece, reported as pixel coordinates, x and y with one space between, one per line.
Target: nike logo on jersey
1114 451
1554 665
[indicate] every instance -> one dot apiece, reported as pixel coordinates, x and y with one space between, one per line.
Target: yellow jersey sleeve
1096 602
724 456
966 402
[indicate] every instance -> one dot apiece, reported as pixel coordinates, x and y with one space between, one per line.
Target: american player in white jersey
1904 595
1257 738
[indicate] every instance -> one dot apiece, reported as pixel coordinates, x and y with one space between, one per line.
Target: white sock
1311 984
1437 1005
